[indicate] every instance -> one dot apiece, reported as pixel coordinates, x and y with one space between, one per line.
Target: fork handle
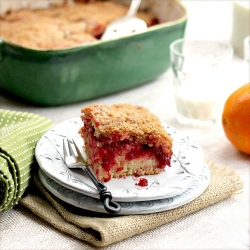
106 198
105 195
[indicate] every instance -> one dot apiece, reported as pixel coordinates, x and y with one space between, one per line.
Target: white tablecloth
224 225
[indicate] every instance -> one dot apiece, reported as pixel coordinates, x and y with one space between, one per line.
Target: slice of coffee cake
123 139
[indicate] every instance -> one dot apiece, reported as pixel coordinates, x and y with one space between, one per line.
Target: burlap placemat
102 230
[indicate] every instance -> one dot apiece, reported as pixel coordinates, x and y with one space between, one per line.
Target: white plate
186 163
127 208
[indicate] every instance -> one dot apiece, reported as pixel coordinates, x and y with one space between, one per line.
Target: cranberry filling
106 153
142 182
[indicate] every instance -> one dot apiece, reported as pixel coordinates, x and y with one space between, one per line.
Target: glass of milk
240 25
247 49
198 68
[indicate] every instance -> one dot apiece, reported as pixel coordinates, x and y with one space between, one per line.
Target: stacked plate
186 179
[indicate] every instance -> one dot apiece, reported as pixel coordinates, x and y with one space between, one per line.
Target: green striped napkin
19 133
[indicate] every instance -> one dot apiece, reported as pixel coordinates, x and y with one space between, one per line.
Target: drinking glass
198 79
247 49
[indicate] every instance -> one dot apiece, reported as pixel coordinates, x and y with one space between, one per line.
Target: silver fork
74 159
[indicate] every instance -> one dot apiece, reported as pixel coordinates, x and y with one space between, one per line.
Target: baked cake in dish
63 26
123 139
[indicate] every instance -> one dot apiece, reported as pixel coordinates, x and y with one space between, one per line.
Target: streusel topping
66 26
128 122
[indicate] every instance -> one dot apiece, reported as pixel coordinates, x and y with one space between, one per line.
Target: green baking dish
59 77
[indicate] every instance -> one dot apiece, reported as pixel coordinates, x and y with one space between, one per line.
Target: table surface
224 225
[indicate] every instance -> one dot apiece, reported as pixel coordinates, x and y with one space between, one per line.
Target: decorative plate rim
128 208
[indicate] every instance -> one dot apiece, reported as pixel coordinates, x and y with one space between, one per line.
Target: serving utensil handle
134 6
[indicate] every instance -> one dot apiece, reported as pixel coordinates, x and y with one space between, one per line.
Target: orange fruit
236 118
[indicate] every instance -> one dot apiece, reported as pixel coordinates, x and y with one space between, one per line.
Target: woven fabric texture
102 230
19 133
